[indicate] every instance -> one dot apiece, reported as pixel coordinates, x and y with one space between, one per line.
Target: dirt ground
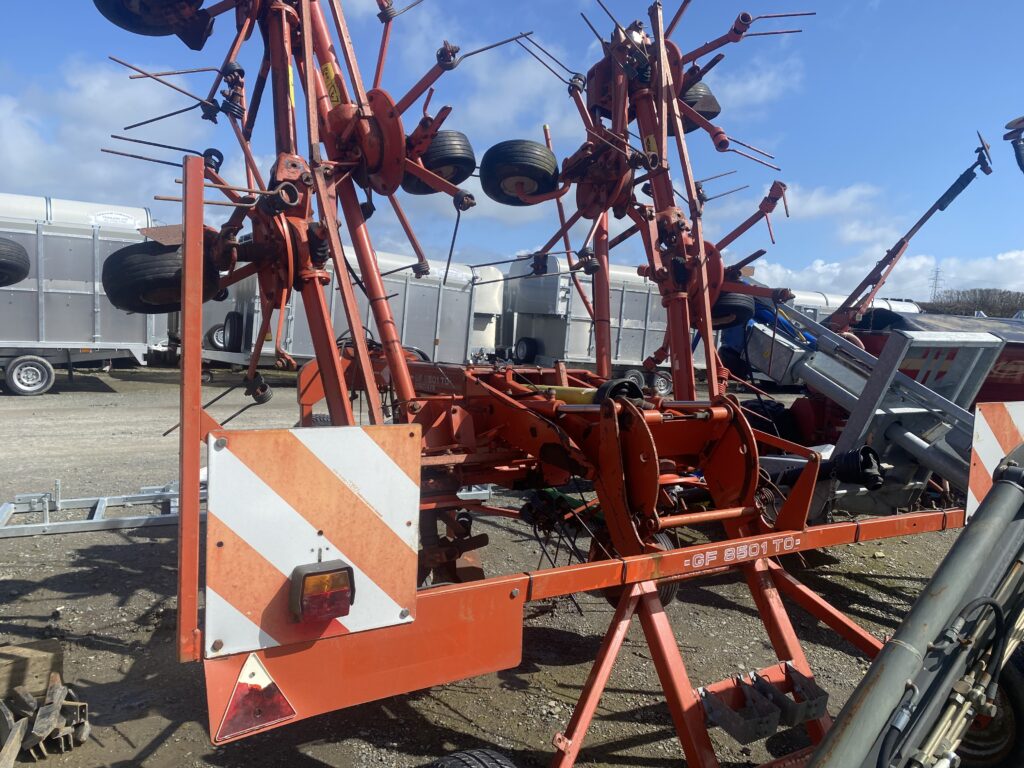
109 597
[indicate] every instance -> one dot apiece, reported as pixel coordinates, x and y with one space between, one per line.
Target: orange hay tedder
341 566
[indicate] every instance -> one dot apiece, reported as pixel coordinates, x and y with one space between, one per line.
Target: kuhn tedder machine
341 565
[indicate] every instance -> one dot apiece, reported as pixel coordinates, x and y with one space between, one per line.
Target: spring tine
186 150
596 33
723 194
542 62
158 79
465 56
765 163
751 147
174 72
161 117
140 157
548 53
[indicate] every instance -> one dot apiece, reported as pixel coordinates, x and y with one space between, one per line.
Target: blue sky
871 113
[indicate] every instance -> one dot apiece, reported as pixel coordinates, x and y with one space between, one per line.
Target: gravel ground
109 597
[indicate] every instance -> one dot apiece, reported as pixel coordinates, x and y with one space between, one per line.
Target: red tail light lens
322 591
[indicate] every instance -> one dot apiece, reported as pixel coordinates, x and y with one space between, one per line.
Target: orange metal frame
501 424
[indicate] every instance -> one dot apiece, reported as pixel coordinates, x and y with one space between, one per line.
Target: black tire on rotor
233 329
450 156
509 162
29 376
703 101
146 278
154 18
14 262
731 310
473 758
999 742
667 590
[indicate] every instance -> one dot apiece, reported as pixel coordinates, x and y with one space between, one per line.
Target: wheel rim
990 741
218 337
662 385
30 377
508 185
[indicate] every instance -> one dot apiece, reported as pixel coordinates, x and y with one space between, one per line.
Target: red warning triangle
256 703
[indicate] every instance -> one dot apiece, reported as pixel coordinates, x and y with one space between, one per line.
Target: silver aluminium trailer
450 320
53 310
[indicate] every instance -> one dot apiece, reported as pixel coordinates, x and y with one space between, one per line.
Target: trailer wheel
661 383
667 590
731 310
450 156
998 741
148 17
14 263
215 338
526 350
510 163
233 324
29 375
473 758
636 376
146 278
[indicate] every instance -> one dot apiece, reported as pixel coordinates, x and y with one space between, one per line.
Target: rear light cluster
322 591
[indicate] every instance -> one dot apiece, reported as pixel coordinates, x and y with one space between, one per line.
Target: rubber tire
667 590
473 758
14 263
528 351
146 278
636 376
233 330
517 159
661 383
215 338
42 368
699 97
731 310
1011 684
450 156
157 18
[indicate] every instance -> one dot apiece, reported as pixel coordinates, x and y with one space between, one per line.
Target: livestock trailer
59 314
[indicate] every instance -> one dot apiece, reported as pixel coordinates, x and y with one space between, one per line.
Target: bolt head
220 444
404 613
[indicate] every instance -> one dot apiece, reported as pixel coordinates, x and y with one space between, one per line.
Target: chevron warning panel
279 499
998 429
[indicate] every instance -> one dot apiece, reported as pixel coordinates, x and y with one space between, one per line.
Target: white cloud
858 231
743 93
821 201
911 278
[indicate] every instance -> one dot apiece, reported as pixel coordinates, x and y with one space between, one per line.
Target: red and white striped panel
282 498
998 429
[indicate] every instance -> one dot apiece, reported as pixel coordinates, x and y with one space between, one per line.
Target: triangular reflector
256 702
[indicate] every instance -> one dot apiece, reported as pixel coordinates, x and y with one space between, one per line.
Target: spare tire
450 156
155 18
14 263
731 310
511 163
146 278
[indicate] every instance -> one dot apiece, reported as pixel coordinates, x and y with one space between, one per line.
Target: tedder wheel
14 263
146 278
29 375
661 383
525 350
233 324
666 590
215 338
731 310
148 17
636 376
473 758
450 156
509 164
997 741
